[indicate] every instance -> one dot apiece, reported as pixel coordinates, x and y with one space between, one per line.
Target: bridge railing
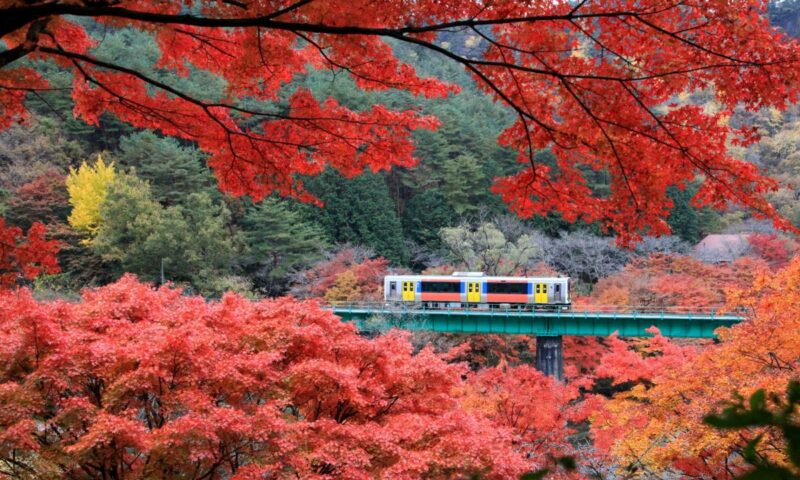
399 307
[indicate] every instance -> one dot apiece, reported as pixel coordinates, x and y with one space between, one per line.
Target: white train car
473 288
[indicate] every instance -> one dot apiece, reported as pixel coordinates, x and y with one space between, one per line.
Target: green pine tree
173 171
279 241
358 211
426 213
462 184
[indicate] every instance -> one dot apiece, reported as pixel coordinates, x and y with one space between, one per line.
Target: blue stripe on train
530 288
485 287
462 287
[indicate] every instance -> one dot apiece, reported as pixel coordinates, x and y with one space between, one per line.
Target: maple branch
469 64
26 47
611 143
690 42
193 100
287 9
30 13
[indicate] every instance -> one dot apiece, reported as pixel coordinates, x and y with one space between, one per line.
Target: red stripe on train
441 297
506 298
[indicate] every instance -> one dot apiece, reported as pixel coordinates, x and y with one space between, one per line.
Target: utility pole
162 270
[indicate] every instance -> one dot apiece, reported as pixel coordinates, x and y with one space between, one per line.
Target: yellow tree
88 188
344 289
658 427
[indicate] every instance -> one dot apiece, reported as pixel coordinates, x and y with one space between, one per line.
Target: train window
441 287
508 288
558 288
392 287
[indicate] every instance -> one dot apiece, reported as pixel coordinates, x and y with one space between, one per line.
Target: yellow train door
408 291
473 292
540 293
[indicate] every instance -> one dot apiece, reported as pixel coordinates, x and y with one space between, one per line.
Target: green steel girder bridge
547 326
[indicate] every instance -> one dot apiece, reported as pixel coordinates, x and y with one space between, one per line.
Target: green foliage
279 241
425 214
461 183
688 222
171 170
358 211
683 219
462 157
130 215
192 239
763 411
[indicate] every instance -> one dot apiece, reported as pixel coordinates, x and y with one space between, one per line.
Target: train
468 289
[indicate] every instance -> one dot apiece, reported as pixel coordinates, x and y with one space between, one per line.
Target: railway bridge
548 326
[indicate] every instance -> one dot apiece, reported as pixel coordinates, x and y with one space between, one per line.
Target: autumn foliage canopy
595 82
134 382
137 382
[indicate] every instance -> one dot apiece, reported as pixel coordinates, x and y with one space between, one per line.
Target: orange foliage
344 289
641 360
659 426
668 281
534 408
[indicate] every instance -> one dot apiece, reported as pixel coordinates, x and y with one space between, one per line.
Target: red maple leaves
598 84
150 383
25 255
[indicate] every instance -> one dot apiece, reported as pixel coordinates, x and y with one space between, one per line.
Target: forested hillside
157 210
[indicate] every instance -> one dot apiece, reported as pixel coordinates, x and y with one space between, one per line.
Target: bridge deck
517 322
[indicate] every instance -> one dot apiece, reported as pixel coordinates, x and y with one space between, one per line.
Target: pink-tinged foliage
148 383
774 249
642 360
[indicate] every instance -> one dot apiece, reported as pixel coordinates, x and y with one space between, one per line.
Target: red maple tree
595 82
25 255
136 382
774 249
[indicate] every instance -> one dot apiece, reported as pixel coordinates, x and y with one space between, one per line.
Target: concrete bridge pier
550 356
